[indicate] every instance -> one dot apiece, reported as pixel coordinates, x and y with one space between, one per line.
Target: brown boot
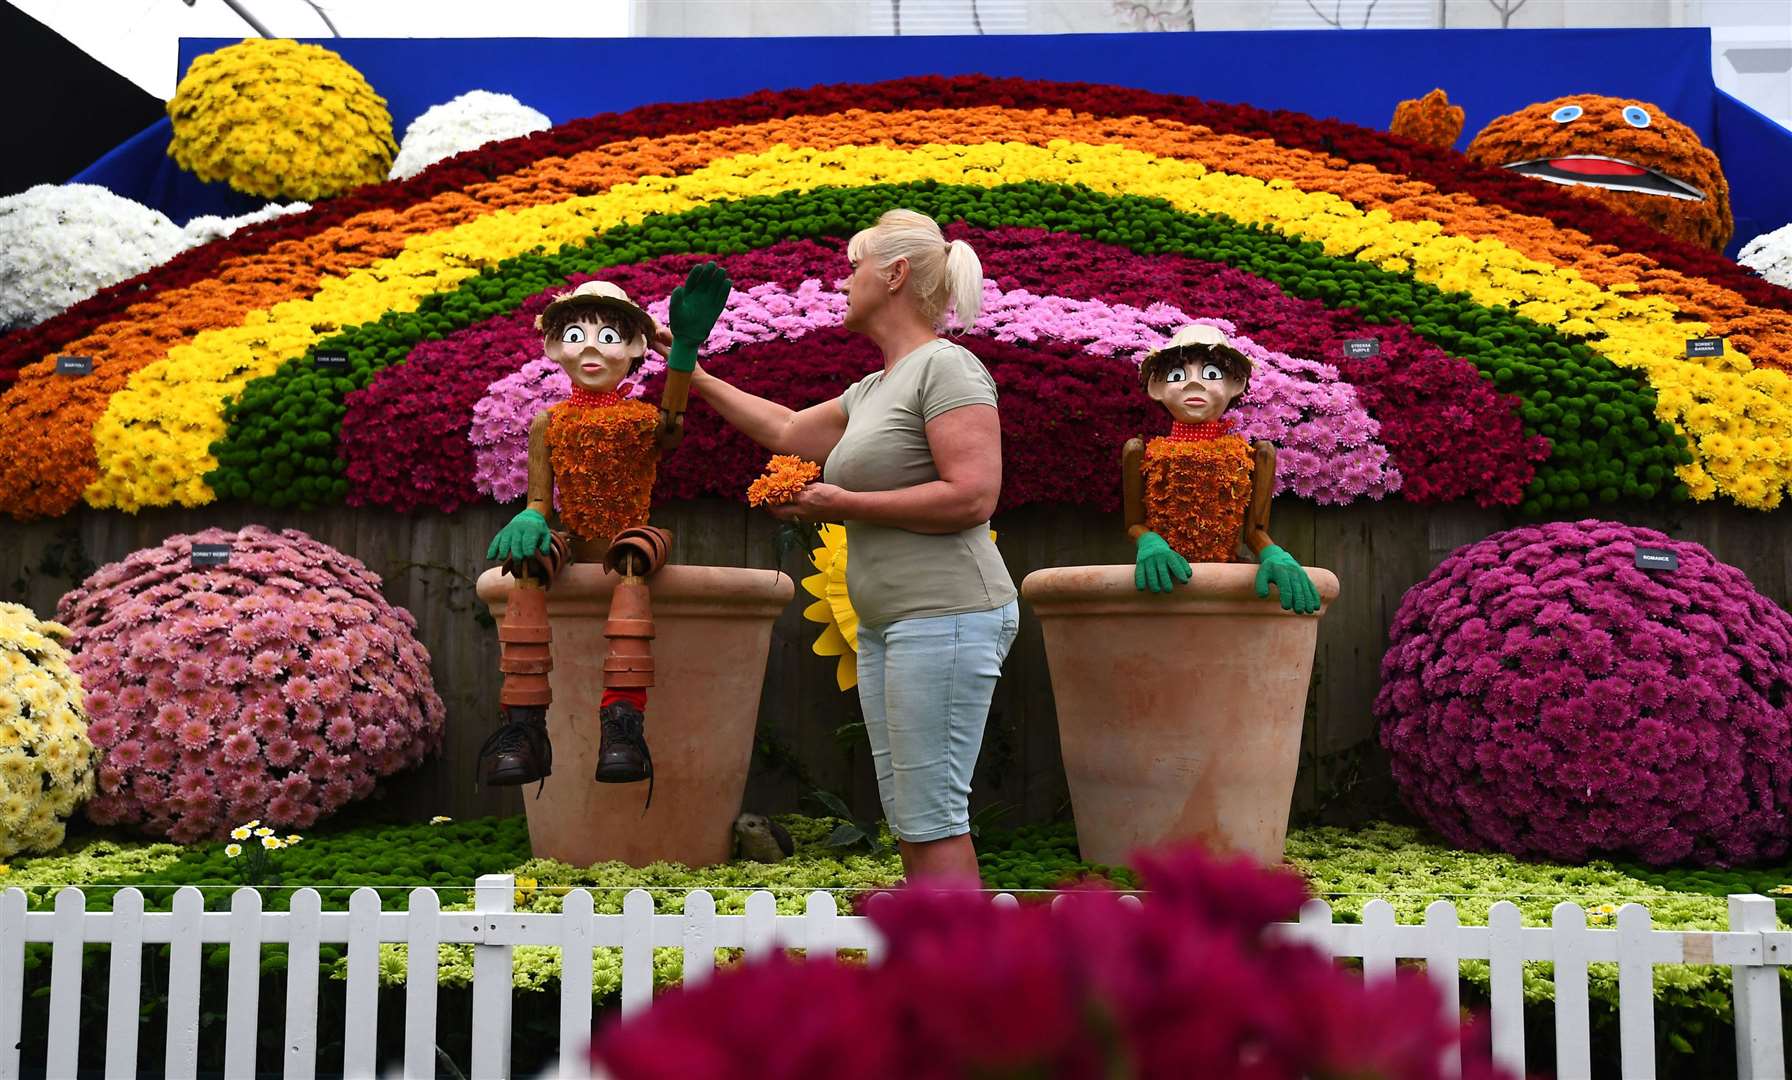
622 755
518 752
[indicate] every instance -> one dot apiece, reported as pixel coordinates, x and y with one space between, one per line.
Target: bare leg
952 858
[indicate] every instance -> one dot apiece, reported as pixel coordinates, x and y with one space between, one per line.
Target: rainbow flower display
1529 349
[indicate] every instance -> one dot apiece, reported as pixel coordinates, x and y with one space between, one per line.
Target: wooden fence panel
808 728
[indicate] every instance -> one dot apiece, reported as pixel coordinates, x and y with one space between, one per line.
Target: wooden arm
673 400
1132 486
541 468
1263 489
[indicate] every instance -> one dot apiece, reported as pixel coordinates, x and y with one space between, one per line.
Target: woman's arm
967 450
809 433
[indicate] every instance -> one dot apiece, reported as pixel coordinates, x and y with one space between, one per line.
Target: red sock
636 697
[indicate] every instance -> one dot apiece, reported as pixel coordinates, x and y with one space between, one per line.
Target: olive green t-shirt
893 573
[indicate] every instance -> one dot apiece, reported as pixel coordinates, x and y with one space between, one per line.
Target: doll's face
595 353
1196 391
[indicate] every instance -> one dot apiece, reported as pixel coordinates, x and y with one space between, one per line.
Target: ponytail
940 275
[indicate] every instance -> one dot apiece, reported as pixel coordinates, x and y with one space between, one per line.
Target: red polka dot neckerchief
592 399
1206 431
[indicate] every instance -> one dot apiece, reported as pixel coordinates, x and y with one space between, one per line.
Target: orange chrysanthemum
785 476
1196 494
1430 119
604 460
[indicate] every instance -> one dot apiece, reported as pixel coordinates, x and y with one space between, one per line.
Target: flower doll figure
1201 492
599 451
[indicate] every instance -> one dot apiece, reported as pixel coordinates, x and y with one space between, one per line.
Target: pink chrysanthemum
196 671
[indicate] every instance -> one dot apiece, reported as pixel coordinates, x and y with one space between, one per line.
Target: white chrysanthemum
209 227
468 121
1770 255
61 243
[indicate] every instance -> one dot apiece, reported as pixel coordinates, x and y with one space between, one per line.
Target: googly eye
1565 114
1636 116
573 335
1212 373
609 335
1176 375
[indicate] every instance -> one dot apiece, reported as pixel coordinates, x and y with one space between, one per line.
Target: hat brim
1201 347
628 309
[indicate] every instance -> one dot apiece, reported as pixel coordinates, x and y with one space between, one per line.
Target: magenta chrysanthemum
1542 695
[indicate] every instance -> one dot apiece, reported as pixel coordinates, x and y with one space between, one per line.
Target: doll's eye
1176 375
573 335
609 336
1565 114
1636 116
1212 373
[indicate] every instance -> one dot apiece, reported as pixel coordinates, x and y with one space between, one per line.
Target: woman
913 457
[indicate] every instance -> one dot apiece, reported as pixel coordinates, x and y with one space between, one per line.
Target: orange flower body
1430 119
785 476
1665 145
604 459
1196 495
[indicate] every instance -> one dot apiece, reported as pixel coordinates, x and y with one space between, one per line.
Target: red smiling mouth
1614 174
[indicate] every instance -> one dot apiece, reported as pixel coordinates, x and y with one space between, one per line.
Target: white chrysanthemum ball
61 243
468 121
209 227
1770 255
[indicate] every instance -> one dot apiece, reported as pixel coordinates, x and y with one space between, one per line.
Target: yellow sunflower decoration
833 607
280 120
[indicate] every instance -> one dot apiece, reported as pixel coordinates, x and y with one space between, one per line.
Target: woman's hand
816 503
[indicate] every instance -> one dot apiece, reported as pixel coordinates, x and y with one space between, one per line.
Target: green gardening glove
693 311
526 535
1158 567
1281 569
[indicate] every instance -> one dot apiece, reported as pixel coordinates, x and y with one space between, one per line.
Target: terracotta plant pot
714 626
1180 715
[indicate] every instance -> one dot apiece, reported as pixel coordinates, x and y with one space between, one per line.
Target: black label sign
1362 348
332 359
211 554
1704 346
74 365
1656 559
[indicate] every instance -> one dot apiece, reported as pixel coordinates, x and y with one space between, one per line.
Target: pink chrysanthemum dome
1543 695
280 686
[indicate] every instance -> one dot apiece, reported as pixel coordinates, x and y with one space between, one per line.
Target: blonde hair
939 273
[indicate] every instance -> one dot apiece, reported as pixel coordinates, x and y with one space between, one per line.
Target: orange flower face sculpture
1626 154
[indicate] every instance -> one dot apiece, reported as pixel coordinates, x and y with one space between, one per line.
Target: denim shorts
925 686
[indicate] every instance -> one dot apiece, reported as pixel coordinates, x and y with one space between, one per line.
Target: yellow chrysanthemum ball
46 760
280 120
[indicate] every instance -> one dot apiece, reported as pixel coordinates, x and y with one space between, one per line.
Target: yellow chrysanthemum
241 832
833 608
46 759
231 851
281 120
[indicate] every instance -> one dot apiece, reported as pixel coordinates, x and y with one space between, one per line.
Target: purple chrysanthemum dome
1542 695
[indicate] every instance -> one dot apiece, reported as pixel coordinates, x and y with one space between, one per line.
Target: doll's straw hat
603 294
1202 336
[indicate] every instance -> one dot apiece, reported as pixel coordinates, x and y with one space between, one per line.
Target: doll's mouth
592 367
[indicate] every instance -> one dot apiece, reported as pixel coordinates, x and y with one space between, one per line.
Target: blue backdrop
1354 76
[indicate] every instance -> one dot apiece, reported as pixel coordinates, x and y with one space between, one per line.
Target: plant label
211 554
1656 559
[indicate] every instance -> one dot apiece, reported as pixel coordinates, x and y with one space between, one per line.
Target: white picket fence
1753 948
